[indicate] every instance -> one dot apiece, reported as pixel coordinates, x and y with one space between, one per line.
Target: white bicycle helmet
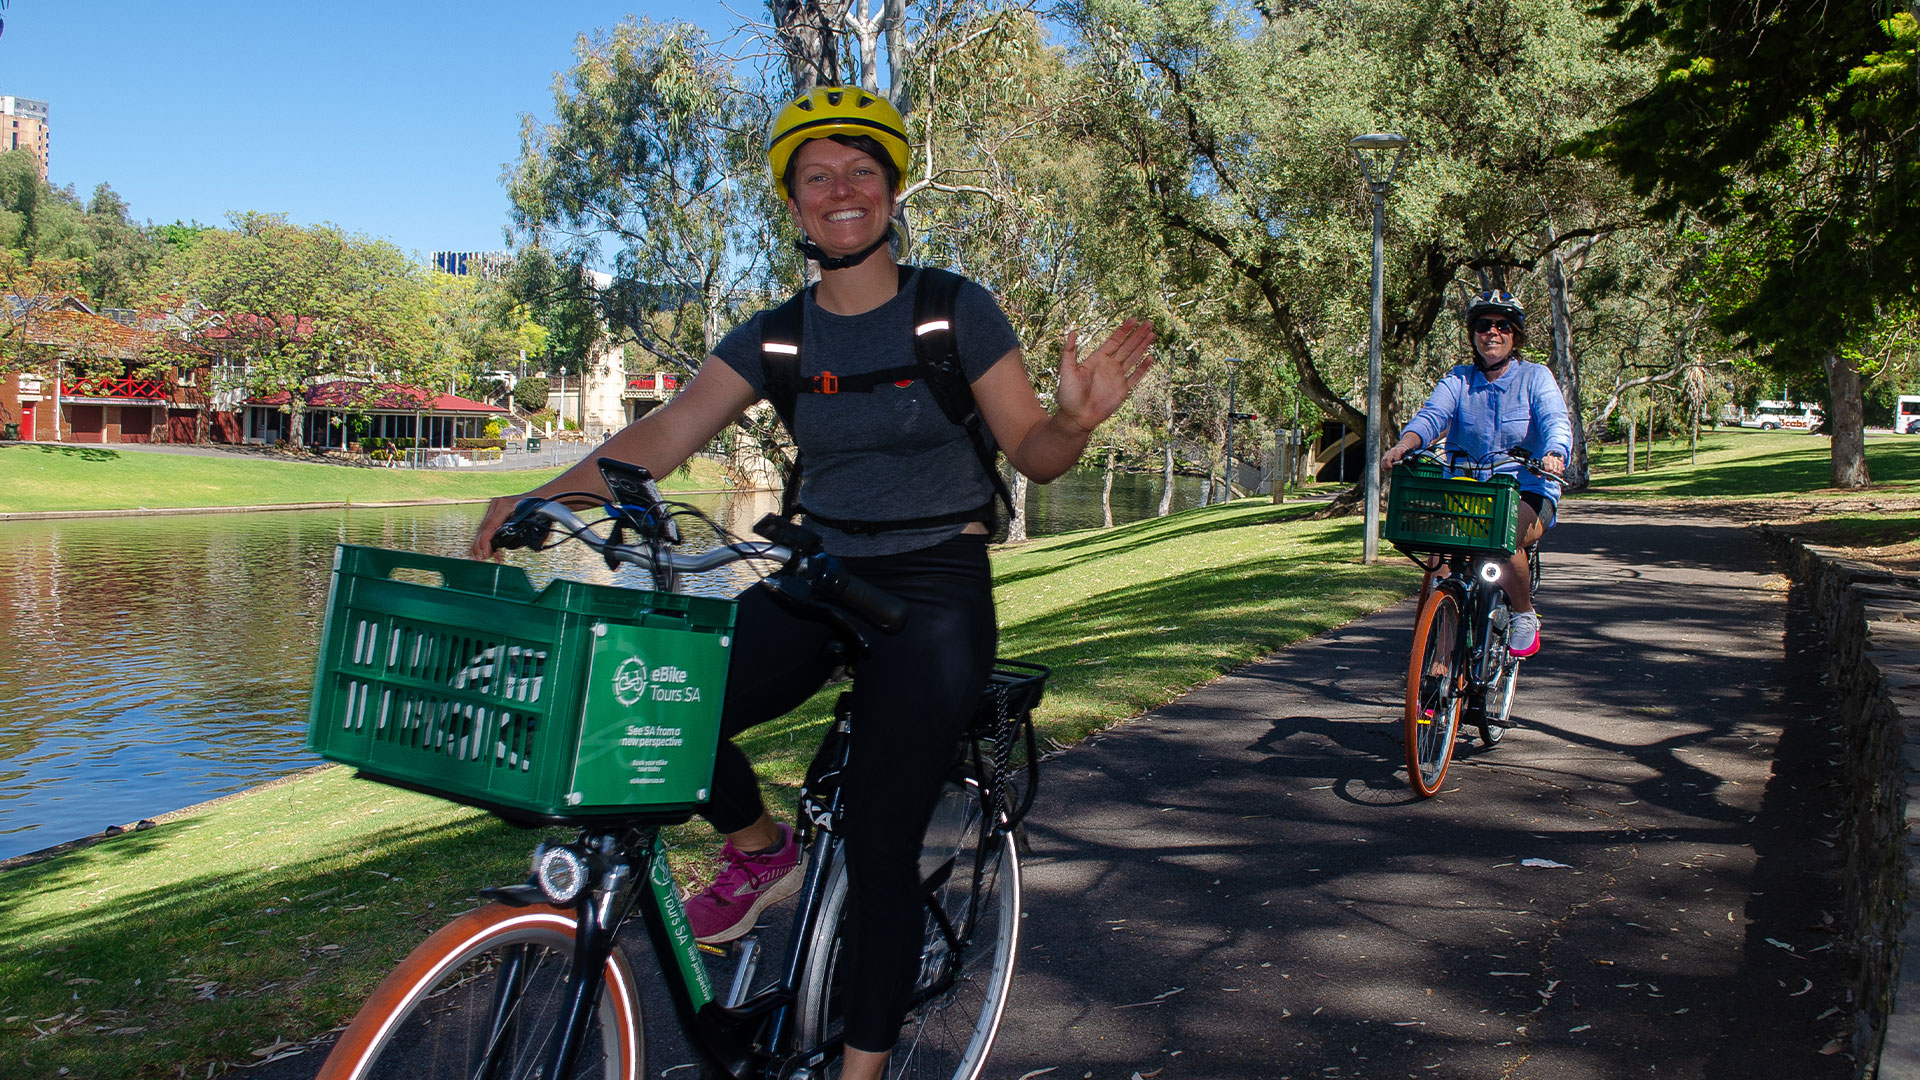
1496 302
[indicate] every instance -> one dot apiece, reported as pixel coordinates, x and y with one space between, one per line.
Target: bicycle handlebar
1460 459
812 579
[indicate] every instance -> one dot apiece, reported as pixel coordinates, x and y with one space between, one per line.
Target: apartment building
23 126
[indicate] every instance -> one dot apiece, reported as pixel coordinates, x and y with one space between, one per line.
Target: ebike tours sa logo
634 681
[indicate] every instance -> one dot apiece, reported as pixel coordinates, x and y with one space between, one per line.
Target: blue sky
391 119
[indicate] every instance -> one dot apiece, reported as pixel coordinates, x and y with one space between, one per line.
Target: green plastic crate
455 677
1429 512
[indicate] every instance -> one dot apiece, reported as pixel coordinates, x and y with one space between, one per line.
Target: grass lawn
1739 464
48 476
1782 478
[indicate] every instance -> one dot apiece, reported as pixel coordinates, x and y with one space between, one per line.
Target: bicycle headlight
1489 572
560 872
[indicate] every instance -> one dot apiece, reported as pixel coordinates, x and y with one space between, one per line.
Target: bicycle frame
723 1035
1477 597
640 878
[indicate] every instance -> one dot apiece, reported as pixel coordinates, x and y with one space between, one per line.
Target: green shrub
530 395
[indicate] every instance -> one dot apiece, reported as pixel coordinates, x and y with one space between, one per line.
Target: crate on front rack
1429 512
456 677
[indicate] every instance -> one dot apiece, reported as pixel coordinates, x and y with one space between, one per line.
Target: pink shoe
746 885
1523 634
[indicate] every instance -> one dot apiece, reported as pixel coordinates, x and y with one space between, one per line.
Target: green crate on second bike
456 677
1431 512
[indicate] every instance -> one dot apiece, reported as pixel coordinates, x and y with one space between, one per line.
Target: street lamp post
1364 146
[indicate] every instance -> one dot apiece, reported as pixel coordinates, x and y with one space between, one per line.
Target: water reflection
148 664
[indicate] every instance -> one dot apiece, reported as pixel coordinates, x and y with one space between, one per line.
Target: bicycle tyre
950 1033
429 1018
1435 692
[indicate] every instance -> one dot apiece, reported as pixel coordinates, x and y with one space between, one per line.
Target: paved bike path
1636 882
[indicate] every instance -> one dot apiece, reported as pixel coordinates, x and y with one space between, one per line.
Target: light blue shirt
1483 419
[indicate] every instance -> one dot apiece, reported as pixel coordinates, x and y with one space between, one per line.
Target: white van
1776 415
1906 414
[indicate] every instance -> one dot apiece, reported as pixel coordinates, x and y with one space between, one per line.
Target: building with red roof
340 412
91 378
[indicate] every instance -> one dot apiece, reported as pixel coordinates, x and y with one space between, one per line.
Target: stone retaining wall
1870 618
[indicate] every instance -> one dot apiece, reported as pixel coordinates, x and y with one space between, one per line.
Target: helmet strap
1489 369
840 262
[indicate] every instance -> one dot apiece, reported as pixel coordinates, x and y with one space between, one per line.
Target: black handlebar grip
872 603
524 529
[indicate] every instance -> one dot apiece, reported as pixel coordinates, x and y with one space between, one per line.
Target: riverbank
51 515
41 479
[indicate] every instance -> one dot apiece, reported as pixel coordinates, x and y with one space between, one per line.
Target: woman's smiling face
841 197
1493 339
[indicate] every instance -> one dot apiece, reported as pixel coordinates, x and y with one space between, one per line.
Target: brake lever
523 528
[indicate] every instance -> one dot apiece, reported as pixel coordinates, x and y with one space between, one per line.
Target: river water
151 663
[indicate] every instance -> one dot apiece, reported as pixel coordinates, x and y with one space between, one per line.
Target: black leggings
911 700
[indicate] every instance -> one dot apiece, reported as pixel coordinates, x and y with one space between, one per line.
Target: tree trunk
1106 494
1283 464
1633 430
1017 528
1565 370
1166 474
1648 460
806 31
1846 421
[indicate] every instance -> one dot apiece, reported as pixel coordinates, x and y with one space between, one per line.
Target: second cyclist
1487 407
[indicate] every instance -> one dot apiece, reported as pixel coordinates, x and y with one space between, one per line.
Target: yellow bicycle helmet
836 110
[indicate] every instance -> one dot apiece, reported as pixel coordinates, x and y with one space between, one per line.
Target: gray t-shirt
889 455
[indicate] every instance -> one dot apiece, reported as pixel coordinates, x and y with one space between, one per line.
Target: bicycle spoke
483 1000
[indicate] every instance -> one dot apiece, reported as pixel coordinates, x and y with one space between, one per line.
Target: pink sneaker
1523 634
746 885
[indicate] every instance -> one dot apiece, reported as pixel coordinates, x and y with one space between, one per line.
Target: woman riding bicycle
901 494
1488 407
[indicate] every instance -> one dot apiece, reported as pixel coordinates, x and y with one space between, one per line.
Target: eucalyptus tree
1225 131
1631 316
41 221
1794 125
1000 196
654 166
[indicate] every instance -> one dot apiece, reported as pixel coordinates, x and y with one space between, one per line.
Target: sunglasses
1481 326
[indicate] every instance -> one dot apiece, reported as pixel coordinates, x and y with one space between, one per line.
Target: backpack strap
936 344
937 363
780 335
